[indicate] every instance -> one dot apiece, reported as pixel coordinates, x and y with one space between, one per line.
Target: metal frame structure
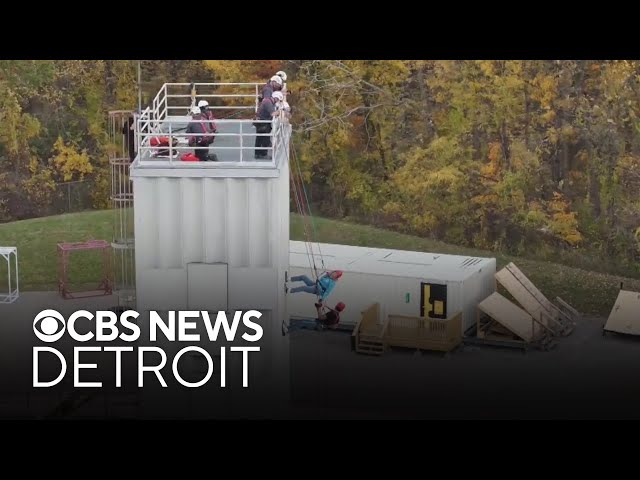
12 293
106 283
170 112
121 138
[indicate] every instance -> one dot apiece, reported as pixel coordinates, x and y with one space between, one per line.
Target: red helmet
340 306
337 273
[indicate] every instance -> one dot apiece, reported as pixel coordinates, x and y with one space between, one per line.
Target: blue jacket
325 285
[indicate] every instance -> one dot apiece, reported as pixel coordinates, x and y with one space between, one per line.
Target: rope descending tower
304 209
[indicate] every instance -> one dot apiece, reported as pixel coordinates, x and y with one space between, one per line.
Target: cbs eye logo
51 327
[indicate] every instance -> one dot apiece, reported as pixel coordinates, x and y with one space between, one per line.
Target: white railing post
153 122
10 290
17 273
164 91
241 142
274 138
170 145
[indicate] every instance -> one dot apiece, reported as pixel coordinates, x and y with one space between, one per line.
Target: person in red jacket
204 136
331 317
207 114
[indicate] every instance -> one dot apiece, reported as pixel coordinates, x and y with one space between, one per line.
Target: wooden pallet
500 322
492 334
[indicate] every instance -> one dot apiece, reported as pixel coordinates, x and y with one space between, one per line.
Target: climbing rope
308 245
303 205
297 187
308 204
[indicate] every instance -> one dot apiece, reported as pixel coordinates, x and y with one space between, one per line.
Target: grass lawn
36 239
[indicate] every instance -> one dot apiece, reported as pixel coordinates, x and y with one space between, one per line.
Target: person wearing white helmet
266 112
205 137
207 114
283 76
282 107
273 85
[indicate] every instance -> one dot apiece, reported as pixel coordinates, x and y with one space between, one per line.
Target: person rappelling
329 317
322 287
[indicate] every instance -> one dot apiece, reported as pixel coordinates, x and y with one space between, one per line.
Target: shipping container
403 282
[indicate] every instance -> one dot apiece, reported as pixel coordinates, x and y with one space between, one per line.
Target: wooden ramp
625 314
560 322
510 316
503 323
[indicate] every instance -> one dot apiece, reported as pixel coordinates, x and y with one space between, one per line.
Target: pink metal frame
106 283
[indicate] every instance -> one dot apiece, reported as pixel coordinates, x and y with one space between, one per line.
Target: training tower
214 235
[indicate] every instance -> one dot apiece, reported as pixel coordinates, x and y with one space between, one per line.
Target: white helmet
203 103
282 75
276 79
278 96
195 110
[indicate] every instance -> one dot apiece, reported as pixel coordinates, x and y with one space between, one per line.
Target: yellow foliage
487 67
100 191
549 116
244 70
517 199
16 127
544 91
536 216
395 208
488 199
424 222
568 133
40 186
69 162
558 204
495 152
564 223
492 169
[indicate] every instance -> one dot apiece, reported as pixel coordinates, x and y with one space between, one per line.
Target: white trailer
403 282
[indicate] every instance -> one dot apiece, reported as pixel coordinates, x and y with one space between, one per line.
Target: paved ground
587 376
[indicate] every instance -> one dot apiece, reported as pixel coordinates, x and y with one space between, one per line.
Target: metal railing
161 129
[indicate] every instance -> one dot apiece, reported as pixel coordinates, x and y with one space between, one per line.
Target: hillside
36 239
